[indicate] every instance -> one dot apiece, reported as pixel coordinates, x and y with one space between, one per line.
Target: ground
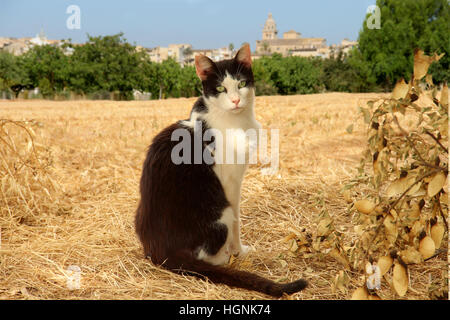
80 210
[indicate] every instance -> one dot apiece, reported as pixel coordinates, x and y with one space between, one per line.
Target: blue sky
202 23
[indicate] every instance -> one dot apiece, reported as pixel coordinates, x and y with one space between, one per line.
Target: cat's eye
242 84
220 88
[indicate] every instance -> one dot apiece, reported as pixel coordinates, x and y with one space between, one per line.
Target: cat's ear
203 66
244 55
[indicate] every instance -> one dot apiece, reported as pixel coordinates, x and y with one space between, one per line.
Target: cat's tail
184 262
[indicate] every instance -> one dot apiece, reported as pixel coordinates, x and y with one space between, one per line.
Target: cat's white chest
230 168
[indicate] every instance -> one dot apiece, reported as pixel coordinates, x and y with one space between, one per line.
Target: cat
188 215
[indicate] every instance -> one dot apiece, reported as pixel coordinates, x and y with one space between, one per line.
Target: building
178 52
347 45
19 46
291 43
40 39
214 54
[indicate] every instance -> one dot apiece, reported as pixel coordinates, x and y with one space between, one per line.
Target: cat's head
227 84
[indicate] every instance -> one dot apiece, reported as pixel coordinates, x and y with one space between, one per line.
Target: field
79 211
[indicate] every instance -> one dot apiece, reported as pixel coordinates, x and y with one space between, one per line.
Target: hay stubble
86 218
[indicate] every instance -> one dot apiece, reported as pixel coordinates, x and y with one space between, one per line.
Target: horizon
153 23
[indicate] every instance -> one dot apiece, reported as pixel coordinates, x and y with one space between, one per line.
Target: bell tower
270 29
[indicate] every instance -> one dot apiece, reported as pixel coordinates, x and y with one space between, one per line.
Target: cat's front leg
236 246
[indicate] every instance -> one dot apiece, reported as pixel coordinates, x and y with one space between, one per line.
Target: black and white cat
188 215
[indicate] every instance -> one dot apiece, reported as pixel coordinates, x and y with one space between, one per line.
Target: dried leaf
341 281
399 186
427 247
400 279
396 188
340 257
324 227
401 89
347 196
289 237
294 245
414 212
365 206
360 294
444 198
436 184
416 229
411 255
385 263
444 96
422 62
391 229
437 233
366 114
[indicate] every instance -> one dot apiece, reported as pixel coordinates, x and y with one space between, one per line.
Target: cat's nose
236 101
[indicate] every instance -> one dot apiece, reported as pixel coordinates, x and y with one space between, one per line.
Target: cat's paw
242 251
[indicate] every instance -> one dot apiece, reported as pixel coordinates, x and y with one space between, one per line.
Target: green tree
167 78
290 75
47 69
106 63
338 74
13 74
189 83
405 25
187 54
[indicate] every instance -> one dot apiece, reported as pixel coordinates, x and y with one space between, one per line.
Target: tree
106 63
189 83
231 47
405 25
168 79
290 75
338 74
266 47
187 54
47 69
13 75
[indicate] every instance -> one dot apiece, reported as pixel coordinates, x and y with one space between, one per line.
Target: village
290 44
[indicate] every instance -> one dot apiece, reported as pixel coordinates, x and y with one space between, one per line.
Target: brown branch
409 140
442 214
438 252
437 140
426 164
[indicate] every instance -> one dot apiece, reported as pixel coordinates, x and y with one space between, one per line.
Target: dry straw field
69 199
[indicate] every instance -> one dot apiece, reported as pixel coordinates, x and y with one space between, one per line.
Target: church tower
270 29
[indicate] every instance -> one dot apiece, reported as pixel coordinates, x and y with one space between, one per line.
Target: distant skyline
202 23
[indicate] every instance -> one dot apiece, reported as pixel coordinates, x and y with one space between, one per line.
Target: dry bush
402 217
